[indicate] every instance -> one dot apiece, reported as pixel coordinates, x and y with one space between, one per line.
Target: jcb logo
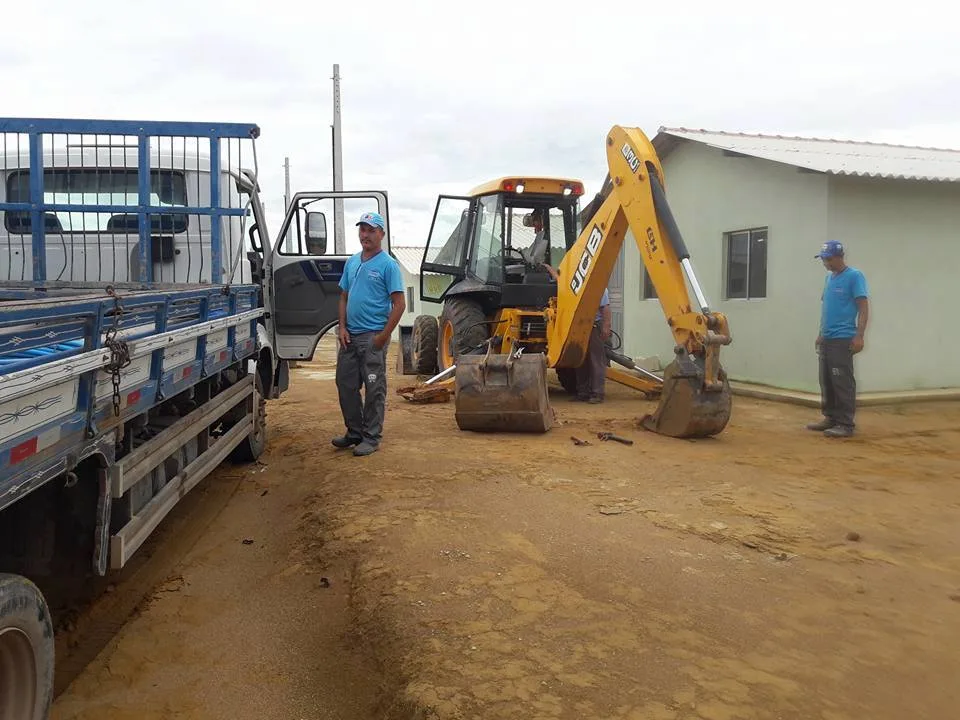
651 243
632 160
586 260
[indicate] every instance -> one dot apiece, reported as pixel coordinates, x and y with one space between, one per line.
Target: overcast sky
436 98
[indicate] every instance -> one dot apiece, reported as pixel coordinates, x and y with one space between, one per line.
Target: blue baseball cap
831 248
373 219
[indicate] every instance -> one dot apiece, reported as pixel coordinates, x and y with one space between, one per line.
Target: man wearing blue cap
843 321
371 304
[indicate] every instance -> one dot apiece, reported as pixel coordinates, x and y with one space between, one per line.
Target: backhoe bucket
689 409
503 393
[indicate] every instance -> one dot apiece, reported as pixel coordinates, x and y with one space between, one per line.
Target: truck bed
123 281
58 390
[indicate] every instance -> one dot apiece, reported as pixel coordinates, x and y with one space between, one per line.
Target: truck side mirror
254 233
316 233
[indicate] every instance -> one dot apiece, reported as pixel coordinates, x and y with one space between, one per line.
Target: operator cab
497 240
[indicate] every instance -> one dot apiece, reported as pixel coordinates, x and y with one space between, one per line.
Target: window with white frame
745 268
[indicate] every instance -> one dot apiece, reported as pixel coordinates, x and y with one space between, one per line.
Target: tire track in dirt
504 576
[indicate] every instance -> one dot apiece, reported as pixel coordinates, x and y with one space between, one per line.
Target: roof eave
665 142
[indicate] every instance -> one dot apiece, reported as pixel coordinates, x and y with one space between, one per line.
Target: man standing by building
371 304
843 322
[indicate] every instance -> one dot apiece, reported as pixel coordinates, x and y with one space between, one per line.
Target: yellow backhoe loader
505 321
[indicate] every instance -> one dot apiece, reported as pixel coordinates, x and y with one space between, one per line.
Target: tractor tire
26 651
463 326
424 345
568 379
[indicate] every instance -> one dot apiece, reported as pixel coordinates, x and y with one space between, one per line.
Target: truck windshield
96 186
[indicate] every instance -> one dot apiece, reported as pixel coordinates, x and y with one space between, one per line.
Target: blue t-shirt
604 301
369 284
838 319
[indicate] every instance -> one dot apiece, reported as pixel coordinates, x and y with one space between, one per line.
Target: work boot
839 431
824 424
365 448
345 442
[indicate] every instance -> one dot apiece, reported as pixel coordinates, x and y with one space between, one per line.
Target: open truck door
305 264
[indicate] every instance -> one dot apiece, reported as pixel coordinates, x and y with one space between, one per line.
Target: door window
487 260
314 224
446 247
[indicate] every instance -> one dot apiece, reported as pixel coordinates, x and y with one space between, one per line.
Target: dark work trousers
838 386
359 364
592 374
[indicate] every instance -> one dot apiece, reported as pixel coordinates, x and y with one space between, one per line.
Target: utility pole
286 184
339 242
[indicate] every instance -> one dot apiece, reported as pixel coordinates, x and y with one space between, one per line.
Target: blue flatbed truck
145 320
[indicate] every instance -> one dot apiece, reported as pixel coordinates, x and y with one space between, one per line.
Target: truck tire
462 327
253 445
26 651
568 379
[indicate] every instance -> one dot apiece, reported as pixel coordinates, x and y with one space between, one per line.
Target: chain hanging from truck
119 352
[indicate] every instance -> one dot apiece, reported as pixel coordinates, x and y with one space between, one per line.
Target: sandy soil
767 573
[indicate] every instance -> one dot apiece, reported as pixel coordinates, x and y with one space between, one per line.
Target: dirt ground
766 573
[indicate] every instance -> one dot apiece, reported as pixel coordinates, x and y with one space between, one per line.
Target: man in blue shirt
371 304
843 322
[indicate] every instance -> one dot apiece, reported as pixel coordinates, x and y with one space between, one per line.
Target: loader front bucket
689 406
503 393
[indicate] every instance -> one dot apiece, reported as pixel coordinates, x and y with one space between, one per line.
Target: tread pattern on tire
425 344
24 607
465 314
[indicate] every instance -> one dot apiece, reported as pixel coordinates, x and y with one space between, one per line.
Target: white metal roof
409 256
834 157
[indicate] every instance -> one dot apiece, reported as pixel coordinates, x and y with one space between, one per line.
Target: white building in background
754 211
409 257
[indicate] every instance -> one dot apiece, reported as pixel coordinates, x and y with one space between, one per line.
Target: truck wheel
423 350
568 379
253 445
26 650
462 327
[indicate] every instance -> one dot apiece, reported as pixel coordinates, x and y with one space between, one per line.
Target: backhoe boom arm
633 197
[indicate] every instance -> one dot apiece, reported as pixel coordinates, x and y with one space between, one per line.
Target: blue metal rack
40 130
